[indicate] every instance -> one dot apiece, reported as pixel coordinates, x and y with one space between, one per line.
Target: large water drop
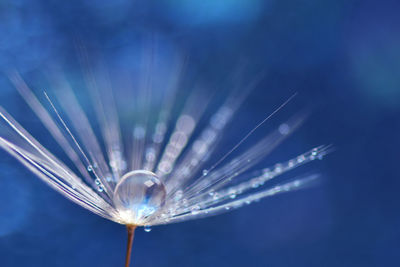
138 195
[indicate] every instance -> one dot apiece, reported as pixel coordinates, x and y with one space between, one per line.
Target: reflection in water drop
138 195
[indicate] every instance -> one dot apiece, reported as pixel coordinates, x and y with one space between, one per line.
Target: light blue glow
210 11
375 63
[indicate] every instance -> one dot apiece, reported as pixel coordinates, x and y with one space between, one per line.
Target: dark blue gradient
341 56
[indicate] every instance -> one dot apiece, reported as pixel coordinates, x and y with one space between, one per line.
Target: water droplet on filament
138 195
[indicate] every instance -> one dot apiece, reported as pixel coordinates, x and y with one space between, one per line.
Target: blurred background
341 56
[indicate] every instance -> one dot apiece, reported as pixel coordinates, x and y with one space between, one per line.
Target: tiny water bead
138 195
195 209
90 168
147 228
109 178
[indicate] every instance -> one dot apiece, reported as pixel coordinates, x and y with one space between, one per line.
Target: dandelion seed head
156 168
140 153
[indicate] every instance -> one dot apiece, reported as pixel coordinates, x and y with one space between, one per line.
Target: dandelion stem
131 235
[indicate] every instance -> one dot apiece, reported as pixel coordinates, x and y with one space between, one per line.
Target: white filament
118 184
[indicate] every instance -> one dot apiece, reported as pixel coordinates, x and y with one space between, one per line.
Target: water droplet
138 195
109 178
185 171
284 129
195 209
227 208
100 188
194 162
90 168
286 187
255 183
150 154
278 168
185 202
291 163
97 181
178 195
205 172
300 159
147 229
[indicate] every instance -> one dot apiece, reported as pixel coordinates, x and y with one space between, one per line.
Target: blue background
341 56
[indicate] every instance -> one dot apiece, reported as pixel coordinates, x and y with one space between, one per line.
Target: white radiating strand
209 198
95 204
106 111
199 150
178 140
234 204
141 132
252 131
19 141
222 187
207 141
268 174
20 136
228 172
158 137
82 126
185 125
103 188
49 123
